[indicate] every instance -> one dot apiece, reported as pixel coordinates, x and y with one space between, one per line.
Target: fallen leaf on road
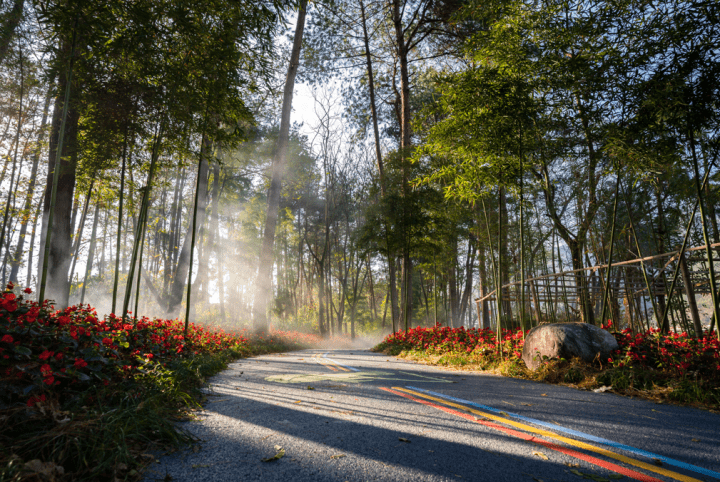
696 440
403 440
298 401
196 448
657 462
280 454
541 455
570 464
338 456
310 388
543 394
527 404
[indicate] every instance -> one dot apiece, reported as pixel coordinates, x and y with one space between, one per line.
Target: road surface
344 415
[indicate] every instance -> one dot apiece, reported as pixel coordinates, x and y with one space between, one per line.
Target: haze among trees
454 146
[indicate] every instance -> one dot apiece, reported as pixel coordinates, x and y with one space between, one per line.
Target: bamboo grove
465 163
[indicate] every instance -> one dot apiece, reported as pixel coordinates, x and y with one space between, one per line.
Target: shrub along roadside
86 399
661 367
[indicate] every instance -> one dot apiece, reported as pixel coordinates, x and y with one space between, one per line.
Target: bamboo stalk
610 254
706 237
141 218
642 264
192 239
119 226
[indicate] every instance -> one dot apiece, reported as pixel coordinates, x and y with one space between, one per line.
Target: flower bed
88 397
672 366
63 353
474 343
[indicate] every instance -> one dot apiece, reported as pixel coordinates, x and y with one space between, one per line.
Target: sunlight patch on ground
352 377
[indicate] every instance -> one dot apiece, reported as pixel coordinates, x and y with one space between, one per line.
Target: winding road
348 415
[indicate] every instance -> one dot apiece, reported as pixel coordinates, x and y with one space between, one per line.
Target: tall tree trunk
380 163
17 259
172 245
6 215
452 282
690 295
263 292
32 244
91 251
57 286
469 263
81 228
181 271
405 141
216 242
116 277
504 267
484 318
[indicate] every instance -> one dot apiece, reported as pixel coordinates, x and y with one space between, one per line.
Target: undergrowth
89 399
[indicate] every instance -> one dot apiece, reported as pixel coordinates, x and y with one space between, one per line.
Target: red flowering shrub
61 352
480 345
674 353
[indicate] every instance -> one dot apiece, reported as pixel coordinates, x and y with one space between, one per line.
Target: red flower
80 363
33 400
45 369
49 380
7 339
46 354
10 296
27 290
107 341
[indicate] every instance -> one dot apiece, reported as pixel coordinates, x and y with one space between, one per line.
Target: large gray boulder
567 340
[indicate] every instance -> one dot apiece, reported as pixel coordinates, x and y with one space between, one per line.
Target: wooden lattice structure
555 296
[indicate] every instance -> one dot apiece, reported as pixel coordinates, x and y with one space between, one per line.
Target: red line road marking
573 453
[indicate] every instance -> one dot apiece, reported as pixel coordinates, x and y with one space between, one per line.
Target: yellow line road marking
575 443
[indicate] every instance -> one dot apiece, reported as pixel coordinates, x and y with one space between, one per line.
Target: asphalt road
343 415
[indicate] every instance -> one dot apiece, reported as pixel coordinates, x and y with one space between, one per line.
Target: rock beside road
567 340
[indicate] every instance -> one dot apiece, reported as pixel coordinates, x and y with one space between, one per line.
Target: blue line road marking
335 362
583 435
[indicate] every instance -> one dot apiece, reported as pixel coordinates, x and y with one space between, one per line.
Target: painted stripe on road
573 453
576 443
586 436
346 367
326 365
